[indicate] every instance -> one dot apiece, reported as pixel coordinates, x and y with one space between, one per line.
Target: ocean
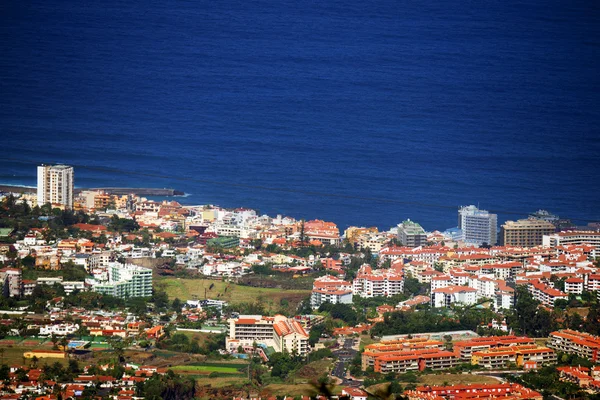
360 113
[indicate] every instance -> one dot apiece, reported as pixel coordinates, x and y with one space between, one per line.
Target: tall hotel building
478 226
526 232
55 185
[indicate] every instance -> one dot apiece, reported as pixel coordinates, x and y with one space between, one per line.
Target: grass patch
218 382
312 370
187 289
206 368
225 363
455 379
14 356
366 340
283 389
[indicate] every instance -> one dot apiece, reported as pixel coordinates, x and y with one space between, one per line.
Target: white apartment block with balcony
590 237
478 226
378 282
126 280
446 296
58 329
329 289
279 332
55 185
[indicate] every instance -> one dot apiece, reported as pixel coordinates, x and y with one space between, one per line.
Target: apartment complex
378 282
279 332
505 391
127 280
478 226
446 296
573 237
11 280
545 293
414 360
517 355
467 348
573 342
411 234
526 232
55 185
329 289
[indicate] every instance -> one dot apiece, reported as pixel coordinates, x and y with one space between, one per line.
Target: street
345 356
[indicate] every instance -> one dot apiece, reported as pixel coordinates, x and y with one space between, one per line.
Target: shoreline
110 190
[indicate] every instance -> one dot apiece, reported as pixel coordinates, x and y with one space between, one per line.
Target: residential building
517 355
411 234
574 285
415 360
465 349
11 280
55 185
526 232
127 280
544 293
478 226
573 342
505 391
378 282
446 296
59 329
279 332
329 289
394 347
590 237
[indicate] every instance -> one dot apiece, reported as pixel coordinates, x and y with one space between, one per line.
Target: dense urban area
112 295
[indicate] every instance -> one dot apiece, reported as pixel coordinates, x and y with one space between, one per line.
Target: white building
127 280
573 237
444 297
55 185
329 289
478 226
378 282
58 329
279 332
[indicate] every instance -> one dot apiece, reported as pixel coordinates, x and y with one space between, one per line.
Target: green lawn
455 379
188 289
205 368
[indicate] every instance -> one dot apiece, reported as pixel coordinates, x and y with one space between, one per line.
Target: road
345 355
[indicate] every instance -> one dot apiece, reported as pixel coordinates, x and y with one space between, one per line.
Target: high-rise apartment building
411 234
127 280
526 232
55 185
478 226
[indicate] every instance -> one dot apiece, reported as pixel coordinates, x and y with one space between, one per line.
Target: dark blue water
493 103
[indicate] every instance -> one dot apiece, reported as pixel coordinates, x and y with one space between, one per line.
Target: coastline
110 190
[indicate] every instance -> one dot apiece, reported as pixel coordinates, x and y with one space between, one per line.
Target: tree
302 234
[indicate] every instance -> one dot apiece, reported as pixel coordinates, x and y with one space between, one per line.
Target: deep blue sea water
419 103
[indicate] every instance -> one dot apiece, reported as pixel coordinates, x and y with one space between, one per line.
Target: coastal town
107 294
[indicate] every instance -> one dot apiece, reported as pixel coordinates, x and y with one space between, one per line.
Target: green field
455 379
188 289
205 368
14 356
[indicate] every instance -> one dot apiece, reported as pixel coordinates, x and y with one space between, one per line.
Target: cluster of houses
106 386
468 275
418 353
